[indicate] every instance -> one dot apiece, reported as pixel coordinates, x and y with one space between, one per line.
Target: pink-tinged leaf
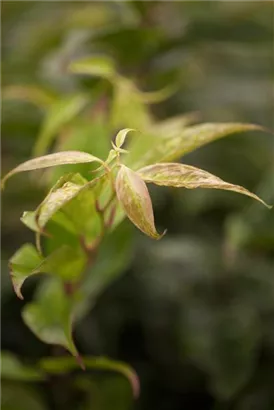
133 194
186 176
51 160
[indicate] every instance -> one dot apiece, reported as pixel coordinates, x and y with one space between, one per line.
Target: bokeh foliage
192 314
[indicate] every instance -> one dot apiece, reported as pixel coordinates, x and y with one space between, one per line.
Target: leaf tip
135 384
80 361
16 287
161 235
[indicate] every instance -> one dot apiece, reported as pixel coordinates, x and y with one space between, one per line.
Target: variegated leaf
177 143
51 160
133 194
186 176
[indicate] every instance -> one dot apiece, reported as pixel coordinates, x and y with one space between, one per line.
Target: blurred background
193 314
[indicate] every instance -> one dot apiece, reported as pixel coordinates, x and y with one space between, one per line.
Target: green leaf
22 264
121 136
33 94
66 262
128 110
52 160
13 369
186 176
50 316
133 194
64 364
61 112
100 66
115 254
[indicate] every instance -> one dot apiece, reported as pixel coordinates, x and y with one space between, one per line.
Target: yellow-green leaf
60 113
51 160
133 194
121 136
31 93
186 176
128 110
101 66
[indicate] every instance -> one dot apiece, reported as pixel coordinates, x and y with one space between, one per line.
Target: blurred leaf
13 369
88 135
148 141
153 97
33 94
186 176
133 194
128 110
227 350
114 256
14 396
101 66
52 160
66 262
50 316
65 364
60 114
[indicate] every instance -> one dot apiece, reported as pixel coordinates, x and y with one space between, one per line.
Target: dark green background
193 313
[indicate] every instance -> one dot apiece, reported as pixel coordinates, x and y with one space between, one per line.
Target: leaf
121 136
20 396
176 144
60 114
88 136
66 262
186 176
22 263
133 194
114 256
128 110
65 189
50 316
152 97
52 160
100 66
199 135
148 147
64 364
13 369
36 95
